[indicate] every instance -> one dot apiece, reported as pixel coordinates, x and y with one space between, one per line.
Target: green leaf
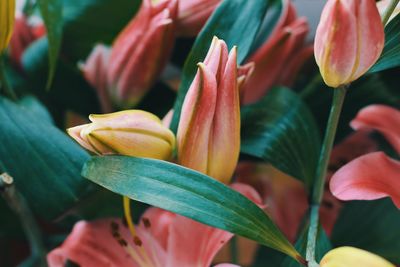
390 57
51 11
189 193
33 105
370 225
44 162
281 130
237 23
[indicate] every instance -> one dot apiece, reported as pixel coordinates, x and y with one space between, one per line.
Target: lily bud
349 40
355 257
278 60
193 14
141 51
7 16
132 133
138 54
209 129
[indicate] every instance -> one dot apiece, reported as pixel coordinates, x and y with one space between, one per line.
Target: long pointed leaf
189 193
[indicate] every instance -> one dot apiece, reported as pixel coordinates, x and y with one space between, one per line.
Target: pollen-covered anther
146 222
137 241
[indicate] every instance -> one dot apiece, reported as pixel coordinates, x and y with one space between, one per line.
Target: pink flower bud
139 53
277 61
209 129
349 40
132 133
193 14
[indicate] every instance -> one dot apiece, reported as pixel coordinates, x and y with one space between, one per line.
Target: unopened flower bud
132 133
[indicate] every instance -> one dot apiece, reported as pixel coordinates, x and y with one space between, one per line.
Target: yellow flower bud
132 133
353 257
7 15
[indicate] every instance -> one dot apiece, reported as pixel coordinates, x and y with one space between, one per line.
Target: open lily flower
163 239
374 175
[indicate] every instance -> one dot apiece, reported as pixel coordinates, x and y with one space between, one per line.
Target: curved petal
382 118
369 177
194 244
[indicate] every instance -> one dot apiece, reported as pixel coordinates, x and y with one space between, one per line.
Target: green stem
4 82
312 86
318 189
19 205
234 250
389 11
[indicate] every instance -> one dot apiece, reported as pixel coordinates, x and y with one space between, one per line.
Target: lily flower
349 40
209 129
130 132
137 56
278 60
373 175
163 239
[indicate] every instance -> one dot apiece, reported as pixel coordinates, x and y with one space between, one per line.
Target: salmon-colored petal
349 39
271 59
194 244
368 177
382 118
196 120
224 143
92 244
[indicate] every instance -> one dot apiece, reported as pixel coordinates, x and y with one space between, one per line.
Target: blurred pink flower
279 59
193 14
137 57
163 239
23 35
374 175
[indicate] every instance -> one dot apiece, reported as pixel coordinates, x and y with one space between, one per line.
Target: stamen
146 222
128 216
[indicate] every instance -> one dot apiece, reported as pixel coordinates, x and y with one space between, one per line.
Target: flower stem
19 205
389 11
318 189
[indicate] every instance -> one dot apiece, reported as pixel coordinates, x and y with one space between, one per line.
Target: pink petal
382 118
369 177
194 244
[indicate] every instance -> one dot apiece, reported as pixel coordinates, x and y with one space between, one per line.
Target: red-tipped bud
139 53
209 129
